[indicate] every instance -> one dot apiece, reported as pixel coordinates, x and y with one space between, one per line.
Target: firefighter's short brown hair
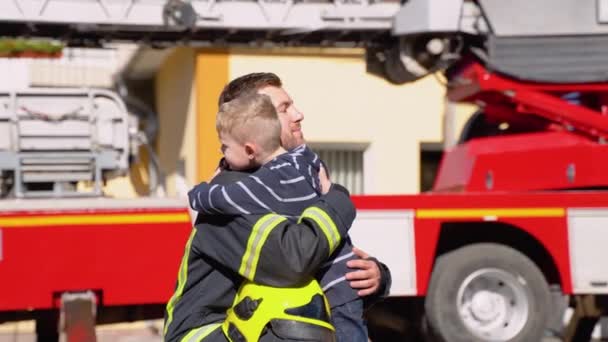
249 83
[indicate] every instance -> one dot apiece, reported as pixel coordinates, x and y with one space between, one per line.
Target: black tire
451 271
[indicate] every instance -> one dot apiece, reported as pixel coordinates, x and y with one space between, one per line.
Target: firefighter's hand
324 180
367 277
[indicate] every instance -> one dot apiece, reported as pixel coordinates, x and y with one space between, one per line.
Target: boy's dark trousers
348 321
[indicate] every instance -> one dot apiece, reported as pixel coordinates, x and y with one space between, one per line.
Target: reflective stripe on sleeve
196 335
326 224
181 282
258 236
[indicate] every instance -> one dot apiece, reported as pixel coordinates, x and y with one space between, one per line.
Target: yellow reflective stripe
182 276
258 236
327 225
196 335
490 212
77 220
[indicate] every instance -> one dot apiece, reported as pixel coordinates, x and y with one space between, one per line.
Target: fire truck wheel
487 292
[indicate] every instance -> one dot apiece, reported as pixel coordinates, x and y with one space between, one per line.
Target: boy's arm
274 251
199 197
307 162
237 198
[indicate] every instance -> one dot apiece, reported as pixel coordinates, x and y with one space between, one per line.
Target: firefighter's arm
272 250
292 252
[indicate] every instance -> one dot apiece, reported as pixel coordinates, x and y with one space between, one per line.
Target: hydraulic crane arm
475 83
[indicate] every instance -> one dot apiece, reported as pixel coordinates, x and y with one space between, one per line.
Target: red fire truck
516 217
511 215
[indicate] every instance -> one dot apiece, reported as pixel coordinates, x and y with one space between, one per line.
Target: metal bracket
77 320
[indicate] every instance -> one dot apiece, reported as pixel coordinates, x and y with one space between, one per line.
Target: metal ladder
325 22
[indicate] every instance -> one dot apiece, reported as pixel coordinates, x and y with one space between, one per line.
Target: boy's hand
217 172
367 276
324 180
223 165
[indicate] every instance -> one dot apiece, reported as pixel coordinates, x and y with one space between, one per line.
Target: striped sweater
286 185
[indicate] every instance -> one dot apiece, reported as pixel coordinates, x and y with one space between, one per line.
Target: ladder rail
136 15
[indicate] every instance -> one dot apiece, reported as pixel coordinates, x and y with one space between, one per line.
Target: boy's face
236 154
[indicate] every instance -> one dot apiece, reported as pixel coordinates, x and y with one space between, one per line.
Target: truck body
119 249
59 233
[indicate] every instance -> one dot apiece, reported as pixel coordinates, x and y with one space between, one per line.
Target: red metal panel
552 233
524 162
131 263
427 236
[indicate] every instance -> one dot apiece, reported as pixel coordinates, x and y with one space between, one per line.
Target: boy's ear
250 149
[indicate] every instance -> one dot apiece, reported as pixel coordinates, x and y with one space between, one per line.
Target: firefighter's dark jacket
268 249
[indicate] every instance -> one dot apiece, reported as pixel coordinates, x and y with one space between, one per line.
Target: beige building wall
342 103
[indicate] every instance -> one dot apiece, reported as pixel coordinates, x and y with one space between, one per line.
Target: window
430 157
345 163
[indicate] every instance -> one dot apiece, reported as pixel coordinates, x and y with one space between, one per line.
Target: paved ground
148 331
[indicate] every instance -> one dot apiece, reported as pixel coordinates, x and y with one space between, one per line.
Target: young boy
285 182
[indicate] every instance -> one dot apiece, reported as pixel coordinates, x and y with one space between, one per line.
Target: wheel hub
493 305
487 306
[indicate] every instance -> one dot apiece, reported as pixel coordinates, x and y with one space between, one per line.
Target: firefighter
219 255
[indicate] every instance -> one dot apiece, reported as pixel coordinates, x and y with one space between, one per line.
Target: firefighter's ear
250 149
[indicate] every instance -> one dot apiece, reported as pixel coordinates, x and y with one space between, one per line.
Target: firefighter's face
238 156
289 115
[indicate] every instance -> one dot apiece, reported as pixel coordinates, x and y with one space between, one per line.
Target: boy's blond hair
250 118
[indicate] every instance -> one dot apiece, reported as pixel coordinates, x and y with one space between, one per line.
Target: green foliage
10 47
